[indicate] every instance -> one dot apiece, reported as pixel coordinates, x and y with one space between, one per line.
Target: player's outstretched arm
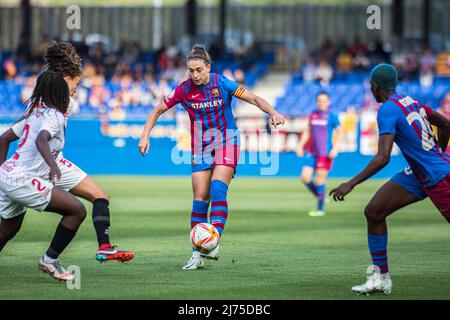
275 118
44 149
382 158
337 142
144 143
443 125
5 140
303 140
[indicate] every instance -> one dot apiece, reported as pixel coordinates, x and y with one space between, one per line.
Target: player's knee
201 196
374 212
305 179
79 212
100 195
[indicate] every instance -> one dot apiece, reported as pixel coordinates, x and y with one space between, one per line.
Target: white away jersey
27 159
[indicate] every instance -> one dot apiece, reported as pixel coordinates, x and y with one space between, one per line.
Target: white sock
47 259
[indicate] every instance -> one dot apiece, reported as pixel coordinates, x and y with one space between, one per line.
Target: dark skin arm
5 140
381 159
44 149
443 125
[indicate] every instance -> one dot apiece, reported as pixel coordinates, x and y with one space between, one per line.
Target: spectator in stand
357 47
361 62
324 73
162 60
99 94
228 74
239 76
10 70
427 65
344 61
327 51
411 66
309 70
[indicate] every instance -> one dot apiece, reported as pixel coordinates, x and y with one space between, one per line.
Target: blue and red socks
311 187
378 251
199 213
219 206
320 196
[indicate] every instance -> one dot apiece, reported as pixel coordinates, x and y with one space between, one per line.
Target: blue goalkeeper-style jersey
407 119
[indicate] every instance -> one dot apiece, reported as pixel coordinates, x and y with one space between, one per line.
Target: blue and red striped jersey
408 120
321 126
209 109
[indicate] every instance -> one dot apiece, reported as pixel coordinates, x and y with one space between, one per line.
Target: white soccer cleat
55 269
376 282
195 262
316 213
214 254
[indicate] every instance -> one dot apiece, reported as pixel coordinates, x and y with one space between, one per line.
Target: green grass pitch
271 248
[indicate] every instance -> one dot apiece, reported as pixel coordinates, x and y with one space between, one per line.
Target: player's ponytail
62 57
199 52
50 89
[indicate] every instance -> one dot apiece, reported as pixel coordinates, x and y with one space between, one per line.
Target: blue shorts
408 181
317 162
309 160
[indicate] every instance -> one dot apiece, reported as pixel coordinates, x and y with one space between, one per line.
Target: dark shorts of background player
317 162
225 156
439 194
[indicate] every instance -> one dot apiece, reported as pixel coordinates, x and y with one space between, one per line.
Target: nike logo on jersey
195 96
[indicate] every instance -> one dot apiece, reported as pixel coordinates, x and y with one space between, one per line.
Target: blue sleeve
229 85
336 123
387 119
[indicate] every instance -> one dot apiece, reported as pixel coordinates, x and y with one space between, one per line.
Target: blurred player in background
207 98
445 111
319 146
62 58
27 178
405 121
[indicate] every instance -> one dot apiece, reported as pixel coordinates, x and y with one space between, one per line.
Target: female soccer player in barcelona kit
27 178
214 139
405 121
319 150
62 58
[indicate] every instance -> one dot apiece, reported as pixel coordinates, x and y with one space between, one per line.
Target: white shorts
71 175
19 193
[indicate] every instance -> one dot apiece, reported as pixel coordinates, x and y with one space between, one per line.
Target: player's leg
201 181
73 214
440 196
220 181
309 163
89 190
393 195
320 180
306 177
9 228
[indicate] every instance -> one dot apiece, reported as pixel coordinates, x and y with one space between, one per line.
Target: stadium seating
348 90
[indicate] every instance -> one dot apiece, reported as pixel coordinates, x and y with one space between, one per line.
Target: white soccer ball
205 237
